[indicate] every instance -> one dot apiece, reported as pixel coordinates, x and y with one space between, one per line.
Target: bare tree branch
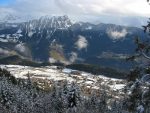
146 56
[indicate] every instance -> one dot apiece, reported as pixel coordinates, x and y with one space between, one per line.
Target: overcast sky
124 12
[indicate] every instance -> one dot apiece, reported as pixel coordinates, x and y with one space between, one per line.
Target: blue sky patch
5 2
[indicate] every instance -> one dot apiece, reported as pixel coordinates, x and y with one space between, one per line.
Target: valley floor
88 82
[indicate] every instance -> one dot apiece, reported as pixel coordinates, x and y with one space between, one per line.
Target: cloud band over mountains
92 10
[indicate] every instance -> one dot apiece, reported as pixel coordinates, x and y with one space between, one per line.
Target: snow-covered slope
52 73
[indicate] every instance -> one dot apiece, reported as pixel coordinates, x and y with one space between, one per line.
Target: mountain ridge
57 39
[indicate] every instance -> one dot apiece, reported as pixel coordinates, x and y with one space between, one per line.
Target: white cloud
3 51
22 49
36 8
81 43
78 9
115 35
108 7
52 60
73 57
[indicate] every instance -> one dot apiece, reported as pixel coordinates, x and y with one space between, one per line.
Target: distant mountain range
58 39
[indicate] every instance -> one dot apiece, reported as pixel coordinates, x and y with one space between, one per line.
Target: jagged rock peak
61 22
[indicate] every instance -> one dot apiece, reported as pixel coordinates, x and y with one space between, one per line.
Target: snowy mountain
58 39
46 22
12 18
